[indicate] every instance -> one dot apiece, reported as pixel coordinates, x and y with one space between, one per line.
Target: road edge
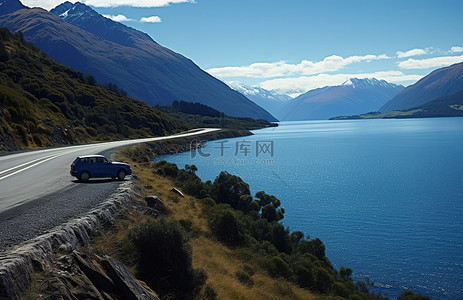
18 264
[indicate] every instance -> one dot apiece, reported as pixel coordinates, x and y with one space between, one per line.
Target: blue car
97 166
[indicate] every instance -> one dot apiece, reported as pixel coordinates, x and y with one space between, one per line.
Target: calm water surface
385 196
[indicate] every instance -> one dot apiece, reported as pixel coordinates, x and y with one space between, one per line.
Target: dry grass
220 262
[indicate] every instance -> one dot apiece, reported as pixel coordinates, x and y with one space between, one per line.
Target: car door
93 167
105 167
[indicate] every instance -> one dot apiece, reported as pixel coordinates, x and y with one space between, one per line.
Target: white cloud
409 53
296 86
152 19
133 3
456 49
430 62
49 4
118 18
281 68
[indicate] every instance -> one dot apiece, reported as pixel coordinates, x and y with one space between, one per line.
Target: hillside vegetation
200 115
43 103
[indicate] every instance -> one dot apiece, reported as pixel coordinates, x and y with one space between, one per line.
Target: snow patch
65 14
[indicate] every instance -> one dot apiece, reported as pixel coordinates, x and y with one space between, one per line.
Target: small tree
226 226
228 189
191 168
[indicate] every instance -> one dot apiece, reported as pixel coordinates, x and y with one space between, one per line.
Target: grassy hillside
43 103
447 106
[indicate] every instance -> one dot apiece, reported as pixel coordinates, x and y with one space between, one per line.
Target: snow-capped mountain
271 101
355 96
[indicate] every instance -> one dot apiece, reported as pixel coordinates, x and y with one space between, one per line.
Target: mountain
43 103
92 44
439 83
446 106
271 101
355 96
9 6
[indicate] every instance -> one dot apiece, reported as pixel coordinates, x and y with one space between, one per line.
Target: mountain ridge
440 82
353 97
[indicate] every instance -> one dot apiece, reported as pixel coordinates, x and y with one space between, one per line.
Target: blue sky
295 45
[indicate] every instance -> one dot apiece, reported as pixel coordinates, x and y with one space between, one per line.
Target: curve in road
31 175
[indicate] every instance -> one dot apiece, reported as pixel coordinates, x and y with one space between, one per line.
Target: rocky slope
76 274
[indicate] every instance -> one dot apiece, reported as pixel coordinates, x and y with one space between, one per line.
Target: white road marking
75 148
24 164
42 160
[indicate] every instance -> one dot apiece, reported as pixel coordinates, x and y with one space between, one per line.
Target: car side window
92 160
102 160
84 160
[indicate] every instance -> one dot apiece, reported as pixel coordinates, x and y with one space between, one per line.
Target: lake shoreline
323 167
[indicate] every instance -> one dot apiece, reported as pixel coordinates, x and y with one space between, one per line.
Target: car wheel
121 174
84 176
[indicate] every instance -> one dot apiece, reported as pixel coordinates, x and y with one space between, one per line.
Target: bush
165 259
166 169
323 280
210 293
340 290
277 267
409 295
225 226
244 278
228 189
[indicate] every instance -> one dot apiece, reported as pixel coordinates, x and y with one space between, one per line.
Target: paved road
27 176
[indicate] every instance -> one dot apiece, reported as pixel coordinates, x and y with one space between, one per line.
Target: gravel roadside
36 217
33 218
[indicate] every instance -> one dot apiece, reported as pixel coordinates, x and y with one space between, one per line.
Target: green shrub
323 279
165 259
244 278
166 169
225 226
340 290
277 267
210 293
409 295
228 189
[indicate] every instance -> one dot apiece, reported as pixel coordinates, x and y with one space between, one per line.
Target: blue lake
385 196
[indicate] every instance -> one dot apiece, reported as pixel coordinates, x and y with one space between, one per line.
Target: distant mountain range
439 83
439 94
79 37
355 96
446 106
272 101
